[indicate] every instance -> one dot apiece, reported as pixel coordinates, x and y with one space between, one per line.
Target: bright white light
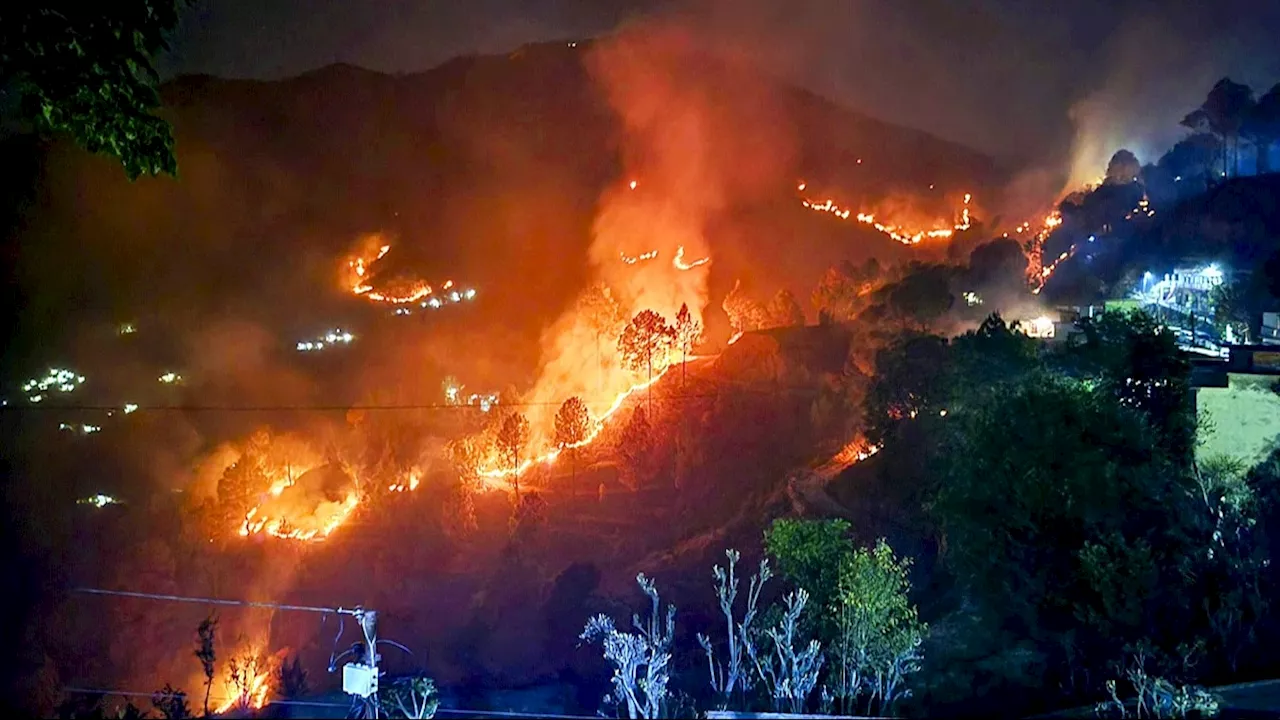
63 381
1213 271
471 293
129 407
98 500
170 378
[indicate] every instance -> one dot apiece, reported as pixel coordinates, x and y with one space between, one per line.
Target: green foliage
85 69
879 630
1156 697
408 697
809 554
1140 364
1059 509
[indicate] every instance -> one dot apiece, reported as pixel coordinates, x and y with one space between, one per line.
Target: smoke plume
698 136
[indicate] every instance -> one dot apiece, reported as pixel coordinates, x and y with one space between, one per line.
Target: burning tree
646 340
573 422
248 679
465 456
603 315
744 313
784 310
513 435
687 332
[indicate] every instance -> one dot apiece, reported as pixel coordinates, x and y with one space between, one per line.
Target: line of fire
626 376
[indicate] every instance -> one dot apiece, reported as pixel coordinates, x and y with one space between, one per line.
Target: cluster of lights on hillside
56 381
332 338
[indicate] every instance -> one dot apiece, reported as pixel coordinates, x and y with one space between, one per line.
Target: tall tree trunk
1263 161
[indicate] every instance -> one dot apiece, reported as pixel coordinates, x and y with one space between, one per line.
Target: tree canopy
85 69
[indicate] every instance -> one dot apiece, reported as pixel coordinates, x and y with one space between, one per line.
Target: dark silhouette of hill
486 169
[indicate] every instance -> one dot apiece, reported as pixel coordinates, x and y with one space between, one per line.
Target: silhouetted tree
171 703
291 680
1192 159
745 314
646 341
513 435
206 653
573 422
636 444
687 333
1123 168
1223 113
85 70
603 315
1262 127
923 295
465 457
785 311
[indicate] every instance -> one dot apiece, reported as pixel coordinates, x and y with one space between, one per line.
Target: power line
312 703
214 601
796 390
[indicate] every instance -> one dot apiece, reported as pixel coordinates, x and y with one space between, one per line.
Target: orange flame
633 259
401 293
896 232
493 477
252 689
682 265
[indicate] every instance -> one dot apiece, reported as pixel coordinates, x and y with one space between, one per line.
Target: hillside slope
487 169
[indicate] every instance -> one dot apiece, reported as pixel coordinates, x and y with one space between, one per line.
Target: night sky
1000 75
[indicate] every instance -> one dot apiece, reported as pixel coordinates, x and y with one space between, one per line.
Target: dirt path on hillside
807 487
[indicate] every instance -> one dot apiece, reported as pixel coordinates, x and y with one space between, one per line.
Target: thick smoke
699 135
1157 68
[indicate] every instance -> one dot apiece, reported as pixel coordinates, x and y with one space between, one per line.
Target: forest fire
1037 272
247 685
682 265
398 291
893 230
549 457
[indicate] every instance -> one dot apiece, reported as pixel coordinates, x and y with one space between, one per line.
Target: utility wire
214 601
16 409
312 703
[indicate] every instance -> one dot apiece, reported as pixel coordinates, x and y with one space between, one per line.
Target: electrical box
360 680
